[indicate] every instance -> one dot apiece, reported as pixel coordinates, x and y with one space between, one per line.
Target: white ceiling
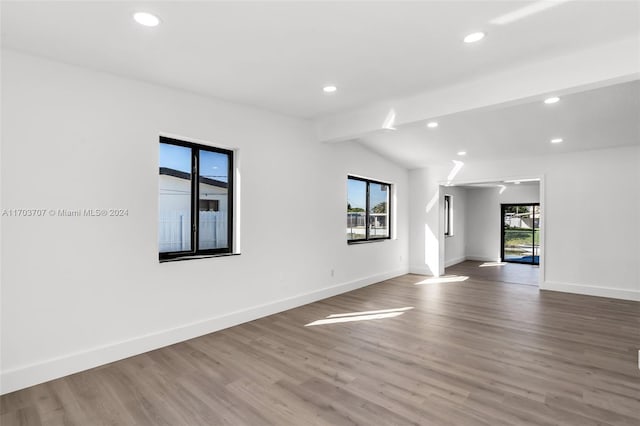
278 55
599 118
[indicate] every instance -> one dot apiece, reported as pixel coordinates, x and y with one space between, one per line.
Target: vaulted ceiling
605 117
278 56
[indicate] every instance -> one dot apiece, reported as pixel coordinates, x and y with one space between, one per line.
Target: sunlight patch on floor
445 279
382 311
361 316
485 264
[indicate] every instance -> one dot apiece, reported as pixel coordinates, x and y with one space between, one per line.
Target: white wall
455 245
483 217
82 291
584 195
426 221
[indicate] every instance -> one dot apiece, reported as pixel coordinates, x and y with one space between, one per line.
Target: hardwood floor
505 272
410 350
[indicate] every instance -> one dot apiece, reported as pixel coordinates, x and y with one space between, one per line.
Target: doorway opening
520 233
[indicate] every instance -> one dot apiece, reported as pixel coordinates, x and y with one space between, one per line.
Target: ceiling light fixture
551 100
432 124
329 88
146 19
461 153
473 37
556 140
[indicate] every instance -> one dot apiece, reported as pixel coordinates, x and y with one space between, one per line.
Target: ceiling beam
598 66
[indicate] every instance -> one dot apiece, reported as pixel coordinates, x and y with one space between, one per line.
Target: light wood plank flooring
514 273
409 350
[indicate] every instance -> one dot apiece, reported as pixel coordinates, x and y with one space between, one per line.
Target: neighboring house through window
209 205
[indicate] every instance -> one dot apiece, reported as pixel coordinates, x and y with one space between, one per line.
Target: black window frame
448 216
196 253
368 238
503 208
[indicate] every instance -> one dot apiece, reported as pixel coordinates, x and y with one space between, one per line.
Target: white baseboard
590 290
29 375
455 261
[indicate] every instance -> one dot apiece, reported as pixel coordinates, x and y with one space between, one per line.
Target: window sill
376 240
197 257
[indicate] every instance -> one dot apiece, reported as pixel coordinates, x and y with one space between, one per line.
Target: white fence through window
174 233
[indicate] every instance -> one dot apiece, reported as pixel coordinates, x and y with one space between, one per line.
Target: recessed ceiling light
473 37
329 88
556 140
146 19
432 124
461 153
551 100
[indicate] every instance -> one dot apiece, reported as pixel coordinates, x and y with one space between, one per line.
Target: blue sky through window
175 157
377 194
356 193
357 190
212 164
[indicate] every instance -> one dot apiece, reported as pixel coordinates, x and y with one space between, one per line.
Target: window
195 200
521 233
448 216
368 210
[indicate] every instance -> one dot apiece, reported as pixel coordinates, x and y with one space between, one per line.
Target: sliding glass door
521 233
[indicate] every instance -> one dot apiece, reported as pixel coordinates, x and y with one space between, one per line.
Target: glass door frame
503 207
